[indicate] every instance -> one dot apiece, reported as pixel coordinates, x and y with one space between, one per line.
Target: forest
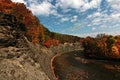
102 45
30 24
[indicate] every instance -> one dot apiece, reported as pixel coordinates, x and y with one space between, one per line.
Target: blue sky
77 17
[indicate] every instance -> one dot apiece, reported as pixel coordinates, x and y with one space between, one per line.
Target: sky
77 17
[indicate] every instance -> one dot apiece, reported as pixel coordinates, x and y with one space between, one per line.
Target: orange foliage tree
23 15
53 42
106 46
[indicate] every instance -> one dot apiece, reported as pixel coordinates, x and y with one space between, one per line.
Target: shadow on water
74 66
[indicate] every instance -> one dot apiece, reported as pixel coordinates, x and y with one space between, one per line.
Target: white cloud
64 4
79 5
65 19
41 7
93 28
115 4
102 18
20 1
92 4
74 18
71 19
99 22
115 16
44 8
96 14
66 10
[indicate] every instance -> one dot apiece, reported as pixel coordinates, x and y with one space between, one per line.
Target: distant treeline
106 46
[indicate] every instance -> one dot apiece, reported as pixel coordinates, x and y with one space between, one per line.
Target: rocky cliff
21 59
16 60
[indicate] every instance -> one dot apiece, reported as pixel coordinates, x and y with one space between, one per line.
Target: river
74 66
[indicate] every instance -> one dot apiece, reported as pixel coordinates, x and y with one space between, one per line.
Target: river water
74 66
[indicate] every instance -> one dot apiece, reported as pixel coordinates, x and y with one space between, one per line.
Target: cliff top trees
24 16
35 31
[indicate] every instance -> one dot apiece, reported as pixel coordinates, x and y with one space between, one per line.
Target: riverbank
73 66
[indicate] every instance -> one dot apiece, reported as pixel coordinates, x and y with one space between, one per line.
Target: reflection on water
73 66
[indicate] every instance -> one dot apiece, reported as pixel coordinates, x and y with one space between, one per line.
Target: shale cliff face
16 60
21 59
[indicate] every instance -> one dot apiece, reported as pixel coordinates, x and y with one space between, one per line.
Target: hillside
16 57
23 55
34 30
20 59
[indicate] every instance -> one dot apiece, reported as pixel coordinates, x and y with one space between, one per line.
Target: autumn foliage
103 46
53 42
35 31
23 15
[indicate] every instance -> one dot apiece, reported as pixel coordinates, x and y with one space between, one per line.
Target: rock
17 60
21 59
8 26
7 37
7 20
14 70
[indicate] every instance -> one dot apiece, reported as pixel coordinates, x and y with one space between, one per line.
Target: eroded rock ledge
21 59
16 60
